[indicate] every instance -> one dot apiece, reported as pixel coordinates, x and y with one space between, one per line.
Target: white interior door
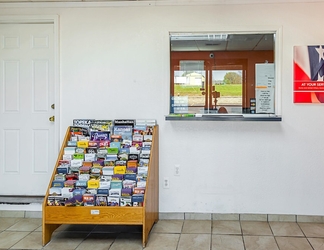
27 152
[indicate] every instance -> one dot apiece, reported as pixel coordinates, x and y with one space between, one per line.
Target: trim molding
35 212
242 217
112 3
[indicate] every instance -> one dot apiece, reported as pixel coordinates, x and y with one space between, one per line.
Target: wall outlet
166 183
177 170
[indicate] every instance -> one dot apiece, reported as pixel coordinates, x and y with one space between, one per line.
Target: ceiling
221 42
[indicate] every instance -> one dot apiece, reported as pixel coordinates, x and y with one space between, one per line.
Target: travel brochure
104 163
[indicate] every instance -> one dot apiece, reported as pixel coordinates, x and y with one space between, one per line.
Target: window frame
277 31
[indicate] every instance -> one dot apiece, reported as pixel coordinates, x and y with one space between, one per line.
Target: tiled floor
26 233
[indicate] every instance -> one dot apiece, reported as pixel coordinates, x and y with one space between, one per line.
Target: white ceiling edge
185 1
135 3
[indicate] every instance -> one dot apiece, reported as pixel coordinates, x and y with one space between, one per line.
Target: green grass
225 90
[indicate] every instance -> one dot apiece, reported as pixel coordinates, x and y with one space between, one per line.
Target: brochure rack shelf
54 216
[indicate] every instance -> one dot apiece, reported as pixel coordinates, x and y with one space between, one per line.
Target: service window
215 73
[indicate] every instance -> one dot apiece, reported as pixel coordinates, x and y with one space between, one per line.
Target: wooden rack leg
147 227
145 237
48 230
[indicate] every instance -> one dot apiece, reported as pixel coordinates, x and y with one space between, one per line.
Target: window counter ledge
223 117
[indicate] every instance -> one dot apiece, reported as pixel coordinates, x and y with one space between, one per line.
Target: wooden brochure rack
54 216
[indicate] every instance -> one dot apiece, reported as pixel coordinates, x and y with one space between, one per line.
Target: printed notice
179 104
264 88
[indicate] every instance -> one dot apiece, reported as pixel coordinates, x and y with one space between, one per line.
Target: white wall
114 63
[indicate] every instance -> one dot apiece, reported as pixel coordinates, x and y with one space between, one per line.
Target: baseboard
35 211
21 206
242 217
20 214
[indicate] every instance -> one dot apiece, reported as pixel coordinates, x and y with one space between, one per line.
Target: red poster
309 74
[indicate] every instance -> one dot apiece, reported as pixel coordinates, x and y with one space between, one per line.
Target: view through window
222 73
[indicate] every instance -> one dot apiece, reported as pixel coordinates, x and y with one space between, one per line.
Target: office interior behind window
210 71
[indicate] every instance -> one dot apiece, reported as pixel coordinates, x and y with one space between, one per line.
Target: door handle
52 118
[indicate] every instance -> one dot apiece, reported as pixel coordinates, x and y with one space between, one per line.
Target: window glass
222 73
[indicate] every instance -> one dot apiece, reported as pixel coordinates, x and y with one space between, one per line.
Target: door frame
49 19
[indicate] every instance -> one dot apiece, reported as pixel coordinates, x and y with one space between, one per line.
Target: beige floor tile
282 217
168 226
253 217
198 216
293 243
196 226
26 225
97 241
226 217
260 243
31 241
39 229
55 233
12 214
285 229
26 233
317 243
33 214
255 228
227 242
159 241
127 241
8 222
171 216
8 239
66 240
312 229
226 227
194 242
310 218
